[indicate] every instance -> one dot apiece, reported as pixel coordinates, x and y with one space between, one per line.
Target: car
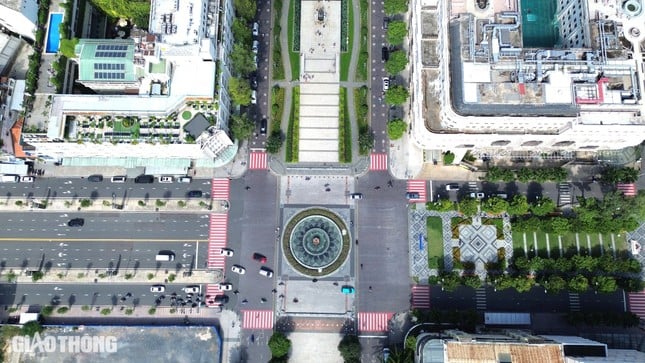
502 195
256 29
225 286
256 46
385 54
194 194
157 288
385 23
238 269
386 354
226 252
356 196
194 289
264 271
76 222
347 289
144 179
220 299
254 97
185 179
254 82
386 83
478 195
263 126
96 178
165 179
259 257
452 186
119 179
28 179
255 60
412 195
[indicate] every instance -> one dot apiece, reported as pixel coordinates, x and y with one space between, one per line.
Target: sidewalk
105 205
126 275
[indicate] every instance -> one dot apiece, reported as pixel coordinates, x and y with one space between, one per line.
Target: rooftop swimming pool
53 33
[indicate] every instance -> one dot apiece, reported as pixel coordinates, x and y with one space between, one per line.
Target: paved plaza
319 80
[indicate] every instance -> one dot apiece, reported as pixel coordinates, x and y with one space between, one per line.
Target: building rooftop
106 60
178 21
494 352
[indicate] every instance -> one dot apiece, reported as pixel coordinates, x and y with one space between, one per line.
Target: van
165 256
385 54
144 179
118 179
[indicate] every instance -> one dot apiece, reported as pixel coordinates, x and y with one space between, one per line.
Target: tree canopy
350 349
542 206
469 206
241 126
241 32
392 7
279 345
240 91
365 142
396 128
136 10
274 142
397 62
495 205
396 95
396 32
67 47
619 175
246 9
242 60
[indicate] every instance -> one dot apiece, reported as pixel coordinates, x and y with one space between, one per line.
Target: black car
221 299
194 194
144 179
95 178
263 126
254 82
385 54
76 222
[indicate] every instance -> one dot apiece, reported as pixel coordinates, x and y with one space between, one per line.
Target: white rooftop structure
179 22
20 17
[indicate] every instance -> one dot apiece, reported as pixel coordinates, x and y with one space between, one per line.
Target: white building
20 17
492 77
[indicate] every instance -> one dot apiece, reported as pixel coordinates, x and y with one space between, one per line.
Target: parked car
185 179
194 194
412 195
221 299
95 178
119 179
452 186
347 289
259 257
254 82
385 23
226 252
157 288
356 196
386 83
264 271
238 269
256 46
256 29
263 126
76 222
478 195
385 54
144 179
28 179
254 97
225 286
194 289
165 179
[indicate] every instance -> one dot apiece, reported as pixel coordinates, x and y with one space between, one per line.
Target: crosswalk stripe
378 161
374 322
637 303
417 186
257 319
258 160
421 296
217 240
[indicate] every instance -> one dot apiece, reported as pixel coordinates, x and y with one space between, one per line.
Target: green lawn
345 57
344 129
294 128
294 57
569 246
435 242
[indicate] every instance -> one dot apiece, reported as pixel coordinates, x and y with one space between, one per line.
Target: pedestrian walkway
220 188
212 291
217 231
421 297
480 298
637 303
574 301
374 322
629 190
258 160
257 319
378 161
417 186
321 325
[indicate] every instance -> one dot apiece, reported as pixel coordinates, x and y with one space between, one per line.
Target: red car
260 258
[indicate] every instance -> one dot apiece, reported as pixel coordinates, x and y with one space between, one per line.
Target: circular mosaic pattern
316 242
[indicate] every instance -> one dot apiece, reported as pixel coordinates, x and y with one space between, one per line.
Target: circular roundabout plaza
316 242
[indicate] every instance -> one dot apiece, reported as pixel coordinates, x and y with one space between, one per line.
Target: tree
471 281
522 283
241 126
274 142
240 91
242 63
67 47
396 32
441 205
397 62
350 349
522 264
498 174
32 327
518 206
587 263
542 206
495 205
578 283
241 32
559 225
365 142
554 284
468 206
396 95
450 281
604 284
279 345
448 158
396 128
614 175
392 7
246 9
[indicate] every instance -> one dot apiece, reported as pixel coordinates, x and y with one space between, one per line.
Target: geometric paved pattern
378 161
417 186
217 240
420 297
637 303
373 322
257 319
258 160
477 242
220 188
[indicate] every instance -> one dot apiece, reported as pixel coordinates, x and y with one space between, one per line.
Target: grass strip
293 132
277 108
434 241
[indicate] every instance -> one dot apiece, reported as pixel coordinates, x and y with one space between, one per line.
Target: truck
7 178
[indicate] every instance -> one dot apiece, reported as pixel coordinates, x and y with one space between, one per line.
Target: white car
256 29
165 179
226 252
185 179
266 272
254 97
27 179
191 289
386 83
256 46
225 286
238 269
157 288
478 195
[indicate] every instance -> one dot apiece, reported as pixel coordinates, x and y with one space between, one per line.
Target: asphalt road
74 188
382 250
103 294
379 111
